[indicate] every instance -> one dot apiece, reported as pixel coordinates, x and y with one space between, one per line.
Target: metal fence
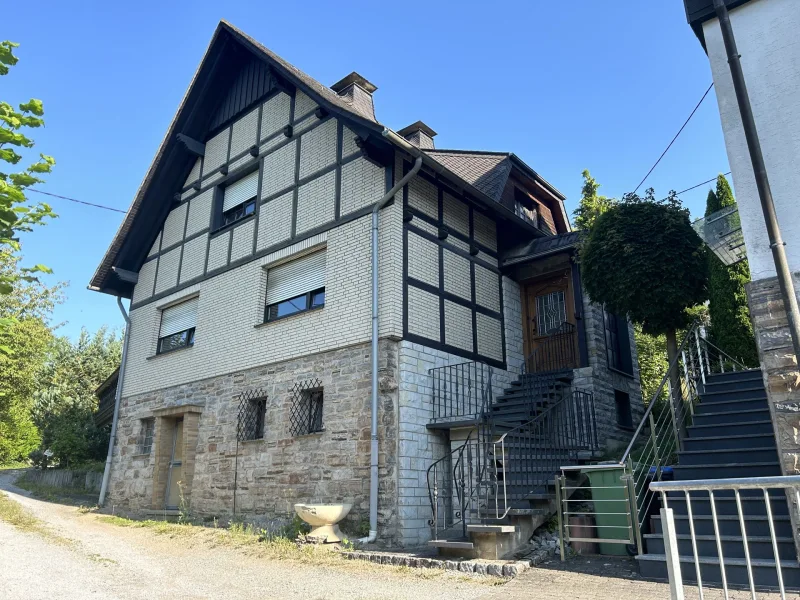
557 352
759 570
461 392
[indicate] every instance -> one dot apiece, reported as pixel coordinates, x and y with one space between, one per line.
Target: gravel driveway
87 558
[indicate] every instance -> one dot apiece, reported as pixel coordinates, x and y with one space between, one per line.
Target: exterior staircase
730 435
491 492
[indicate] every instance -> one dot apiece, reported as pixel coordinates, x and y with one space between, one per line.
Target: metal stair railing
659 435
557 352
529 455
461 391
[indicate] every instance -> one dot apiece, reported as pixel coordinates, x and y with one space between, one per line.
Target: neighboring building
766 36
246 256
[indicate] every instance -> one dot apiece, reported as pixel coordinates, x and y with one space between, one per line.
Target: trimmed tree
642 259
731 328
591 205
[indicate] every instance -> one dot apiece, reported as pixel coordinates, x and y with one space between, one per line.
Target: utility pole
776 242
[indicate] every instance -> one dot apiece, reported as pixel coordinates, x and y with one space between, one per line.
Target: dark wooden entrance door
548 332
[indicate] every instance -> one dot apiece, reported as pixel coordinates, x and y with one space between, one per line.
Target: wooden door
548 332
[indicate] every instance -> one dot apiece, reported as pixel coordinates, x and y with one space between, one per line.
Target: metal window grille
305 413
551 311
252 414
146 436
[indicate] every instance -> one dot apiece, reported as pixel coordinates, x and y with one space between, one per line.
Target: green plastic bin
609 487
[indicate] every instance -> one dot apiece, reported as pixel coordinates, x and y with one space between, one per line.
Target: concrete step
754 426
742 393
733 376
714 385
727 456
724 442
451 544
486 528
723 471
756 525
732 416
732 546
733 405
654 566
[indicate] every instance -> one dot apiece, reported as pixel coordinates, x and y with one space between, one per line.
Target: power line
76 200
699 184
689 118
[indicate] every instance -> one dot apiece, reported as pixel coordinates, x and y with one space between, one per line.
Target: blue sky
599 85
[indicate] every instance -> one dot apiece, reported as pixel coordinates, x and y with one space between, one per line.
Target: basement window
305 415
177 326
295 287
239 199
252 415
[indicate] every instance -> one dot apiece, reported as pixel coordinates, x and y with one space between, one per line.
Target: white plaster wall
767 38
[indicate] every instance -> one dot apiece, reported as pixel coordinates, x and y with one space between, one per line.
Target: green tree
731 328
642 259
65 402
591 205
17 215
26 309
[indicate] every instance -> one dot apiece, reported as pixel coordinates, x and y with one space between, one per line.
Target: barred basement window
177 326
252 415
305 416
239 199
148 427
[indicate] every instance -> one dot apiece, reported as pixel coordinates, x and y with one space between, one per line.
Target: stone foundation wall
273 473
778 366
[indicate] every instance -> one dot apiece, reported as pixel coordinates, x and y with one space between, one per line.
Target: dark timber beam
126 276
195 147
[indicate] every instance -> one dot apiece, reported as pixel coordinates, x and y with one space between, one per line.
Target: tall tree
16 213
642 259
26 309
591 205
731 328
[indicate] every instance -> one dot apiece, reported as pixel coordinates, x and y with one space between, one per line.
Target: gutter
373 462
117 399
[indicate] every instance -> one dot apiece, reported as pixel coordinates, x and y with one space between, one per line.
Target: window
148 427
524 207
252 414
306 409
551 312
623 402
618 347
239 199
177 326
295 287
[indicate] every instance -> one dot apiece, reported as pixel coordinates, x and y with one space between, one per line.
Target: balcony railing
461 392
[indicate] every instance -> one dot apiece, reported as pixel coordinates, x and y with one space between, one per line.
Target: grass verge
53 493
14 514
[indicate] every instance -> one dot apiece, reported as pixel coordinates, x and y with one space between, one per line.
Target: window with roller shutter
295 287
239 199
177 328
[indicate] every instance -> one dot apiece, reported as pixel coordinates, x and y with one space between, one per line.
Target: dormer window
524 207
239 199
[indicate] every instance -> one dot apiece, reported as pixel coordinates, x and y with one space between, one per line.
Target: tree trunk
675 385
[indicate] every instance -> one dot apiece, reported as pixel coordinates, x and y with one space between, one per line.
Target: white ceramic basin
323 519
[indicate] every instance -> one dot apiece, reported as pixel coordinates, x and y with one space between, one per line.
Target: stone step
491 528
451 544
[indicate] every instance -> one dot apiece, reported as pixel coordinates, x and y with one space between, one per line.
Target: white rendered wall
767 37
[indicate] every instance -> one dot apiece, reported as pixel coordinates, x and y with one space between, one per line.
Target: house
246 256
765 35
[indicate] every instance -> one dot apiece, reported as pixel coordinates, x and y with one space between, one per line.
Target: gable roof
482 174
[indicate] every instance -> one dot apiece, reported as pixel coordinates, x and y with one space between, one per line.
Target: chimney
357 92
419 134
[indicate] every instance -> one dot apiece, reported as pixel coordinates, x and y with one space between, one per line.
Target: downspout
776 242
373 463
117 398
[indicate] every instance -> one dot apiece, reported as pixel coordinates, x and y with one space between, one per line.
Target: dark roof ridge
462 151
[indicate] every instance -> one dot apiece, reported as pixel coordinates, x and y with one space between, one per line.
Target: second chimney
357 92
419 135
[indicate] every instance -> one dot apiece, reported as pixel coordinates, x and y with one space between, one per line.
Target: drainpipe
776 242
373 462
117 398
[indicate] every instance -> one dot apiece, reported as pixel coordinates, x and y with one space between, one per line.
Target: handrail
742 483
433 495
568 352
720 350
659 390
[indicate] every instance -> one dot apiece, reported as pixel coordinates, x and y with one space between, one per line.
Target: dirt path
84 557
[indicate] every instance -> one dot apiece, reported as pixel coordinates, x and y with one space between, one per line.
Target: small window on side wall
148 427
295 287
239 199
178 324
623 402
305 416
